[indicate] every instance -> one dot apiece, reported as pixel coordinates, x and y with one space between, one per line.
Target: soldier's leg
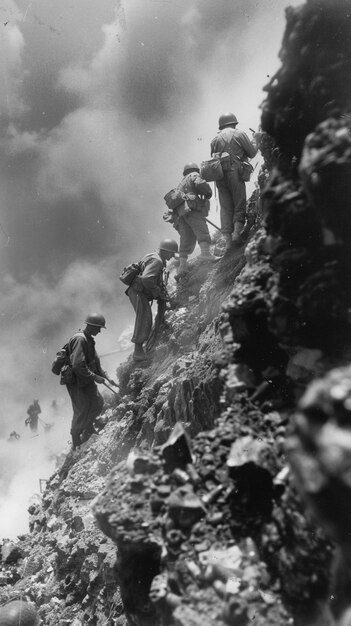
143 316
80 405
227 207
96 404
238 192
187 236
199 227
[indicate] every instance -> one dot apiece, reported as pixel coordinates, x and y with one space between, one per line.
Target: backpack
211 170
130 273
62 364
174 198
245 171
61 359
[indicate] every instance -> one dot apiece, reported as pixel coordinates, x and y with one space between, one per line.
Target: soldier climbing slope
231 188
86 371
192 215
147 286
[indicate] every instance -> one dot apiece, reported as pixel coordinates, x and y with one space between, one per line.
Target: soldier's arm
249 145
99 369
150 277
202 187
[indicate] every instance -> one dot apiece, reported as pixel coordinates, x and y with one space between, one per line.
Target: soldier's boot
206 254
139 354
238 227
183 265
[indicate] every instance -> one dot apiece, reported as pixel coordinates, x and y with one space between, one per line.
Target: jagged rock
176 451
139 463
325 170
11 552
246 451
303 365
312 81
321 450
184 507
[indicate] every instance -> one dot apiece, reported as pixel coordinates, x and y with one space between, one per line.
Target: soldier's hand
99 379
112 382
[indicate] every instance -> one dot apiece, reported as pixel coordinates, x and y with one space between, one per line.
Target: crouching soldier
146 287
192 215
87 402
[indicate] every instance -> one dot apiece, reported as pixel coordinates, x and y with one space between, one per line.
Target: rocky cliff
184 510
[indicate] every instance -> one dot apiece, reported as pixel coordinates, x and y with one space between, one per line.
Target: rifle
110 388
212 224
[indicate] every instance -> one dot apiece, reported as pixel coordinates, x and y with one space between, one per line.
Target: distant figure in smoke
87 402
14 436
192 215
33 412
54 406
146 287
231 188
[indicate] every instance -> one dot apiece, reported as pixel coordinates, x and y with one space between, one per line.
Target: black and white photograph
175 338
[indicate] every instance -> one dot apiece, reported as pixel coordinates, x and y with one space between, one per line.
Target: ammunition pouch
245 171
67 375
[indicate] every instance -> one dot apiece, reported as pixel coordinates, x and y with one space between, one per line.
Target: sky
101 104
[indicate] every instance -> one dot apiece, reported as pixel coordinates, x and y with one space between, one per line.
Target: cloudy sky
101 103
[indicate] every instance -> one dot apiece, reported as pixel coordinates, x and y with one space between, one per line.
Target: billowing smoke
100 106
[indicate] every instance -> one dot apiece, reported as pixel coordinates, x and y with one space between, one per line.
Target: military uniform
231 189
33 412
145 288
192 223
87 402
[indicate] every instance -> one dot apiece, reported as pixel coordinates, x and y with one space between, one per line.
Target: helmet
169 245
190 167
95 319
226 119
18 613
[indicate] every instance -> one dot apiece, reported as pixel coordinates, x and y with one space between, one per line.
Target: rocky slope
183 510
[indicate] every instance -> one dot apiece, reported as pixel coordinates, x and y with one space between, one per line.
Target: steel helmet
169 245
226 119
190 167
18 613
95 319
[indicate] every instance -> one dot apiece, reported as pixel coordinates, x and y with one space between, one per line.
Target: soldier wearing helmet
146 287
18 613
231 189
87 402
192 225
33 412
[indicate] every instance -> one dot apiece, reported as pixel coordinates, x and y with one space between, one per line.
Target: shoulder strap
79 333
233 138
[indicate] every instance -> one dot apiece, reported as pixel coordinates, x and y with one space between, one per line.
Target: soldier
87 402
19 612
33 412
192 215
146 287
231 188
